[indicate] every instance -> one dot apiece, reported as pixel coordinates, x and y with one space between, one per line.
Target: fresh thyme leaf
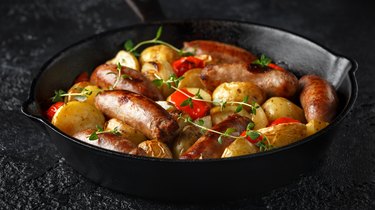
254 108
245 99
119 67
59 94
185 54
99 128
198 95
263 61
188 119
200 122
220 139
115 131
227 133
93 136
252 134
158 33
128 45
188 101
158 82
239 108
125 76
250 126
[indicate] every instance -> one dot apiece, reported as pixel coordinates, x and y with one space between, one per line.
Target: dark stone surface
34 175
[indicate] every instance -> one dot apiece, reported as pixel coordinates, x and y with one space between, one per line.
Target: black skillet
194 179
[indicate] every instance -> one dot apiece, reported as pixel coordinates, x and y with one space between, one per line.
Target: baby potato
125 59
277 107
163 70
155 148
76 88
260 119
94 91
285 133
126 130
186 138
239 147
158 53
314 126
76 116
90 91
218 115
237 91
192 79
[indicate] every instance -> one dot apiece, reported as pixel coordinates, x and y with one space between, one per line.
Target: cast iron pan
194 179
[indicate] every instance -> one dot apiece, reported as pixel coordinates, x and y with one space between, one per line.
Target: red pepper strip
276 67
184 64
284 120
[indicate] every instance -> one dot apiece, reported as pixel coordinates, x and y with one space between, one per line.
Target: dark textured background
34 175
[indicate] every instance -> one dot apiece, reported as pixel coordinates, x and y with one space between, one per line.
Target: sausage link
139 112
106 75
208 146
318 98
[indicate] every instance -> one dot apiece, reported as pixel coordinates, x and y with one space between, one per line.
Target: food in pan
206 100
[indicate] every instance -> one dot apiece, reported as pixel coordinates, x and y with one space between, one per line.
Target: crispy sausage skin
110 141
139 112
272 82
208 146
220 52
106 75
318 98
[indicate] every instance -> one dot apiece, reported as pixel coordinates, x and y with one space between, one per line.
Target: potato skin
277 107
163 70
186 138
239 147
125 59
156 149
158 53
126 130
285 133
237 91
314 126
76 88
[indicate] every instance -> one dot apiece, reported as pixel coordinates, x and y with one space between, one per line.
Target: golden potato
237 91
126 130
76 88
155 148
219 115
239 147
277 107
285 133
125 59
163 70
94 91
76 116
260 118
314 126
192 79
187 137
158 53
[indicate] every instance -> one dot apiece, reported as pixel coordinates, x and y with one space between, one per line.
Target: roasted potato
239 147
163 70
237 91
125 59
277 107
76 88
284 134
126 130
187 137
89 91
218 115
314 126
260 118
158 53
192 79
76 116
155 148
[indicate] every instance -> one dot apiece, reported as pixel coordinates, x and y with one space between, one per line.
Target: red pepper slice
52 109
276 67
195 110
184 64
253 141
284 120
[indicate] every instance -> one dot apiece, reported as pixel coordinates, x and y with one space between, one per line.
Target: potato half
155 148
186 138
239 147
126 130
158 53
277 107
162 69
125 59
285 133
76 116
314 126
192 79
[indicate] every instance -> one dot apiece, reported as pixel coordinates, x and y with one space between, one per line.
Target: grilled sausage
110 141
208 146
139 112
318 98
105 76
220 52
272 82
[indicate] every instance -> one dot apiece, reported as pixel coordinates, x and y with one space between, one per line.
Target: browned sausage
110 141
139 112
106 75
208 146
272 82
318 98
220 52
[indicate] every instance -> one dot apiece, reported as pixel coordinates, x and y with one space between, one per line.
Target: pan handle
147 10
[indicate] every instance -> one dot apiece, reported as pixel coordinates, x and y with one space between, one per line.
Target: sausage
220 52
272 82
106 75
139 112
208 146
110 141
318 98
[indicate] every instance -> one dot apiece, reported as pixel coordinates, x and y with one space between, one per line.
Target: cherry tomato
82 77
276 67
284 120
253 141
184 64
195 109
52 109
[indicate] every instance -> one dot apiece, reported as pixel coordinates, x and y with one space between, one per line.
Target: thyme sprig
119 75
60 94
129 45
99 130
